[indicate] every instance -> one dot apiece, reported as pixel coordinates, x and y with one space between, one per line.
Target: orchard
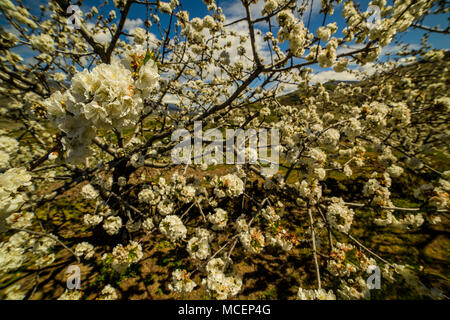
240 149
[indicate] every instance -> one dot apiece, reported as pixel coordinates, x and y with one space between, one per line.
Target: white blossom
173 228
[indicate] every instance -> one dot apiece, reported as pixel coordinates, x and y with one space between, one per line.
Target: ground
270 275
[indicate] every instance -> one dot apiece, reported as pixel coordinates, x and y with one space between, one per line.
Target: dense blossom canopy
93 109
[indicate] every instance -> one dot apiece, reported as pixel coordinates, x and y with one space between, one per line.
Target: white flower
198 248
89 192
270 214
133 226
327 57
339 216
108 293
137 160
394 171
139 35
165 7
149 196
92 220
269 6
123 257
233 186
218 219
188 193
43 245
45 260
10 182
208 22
353 128
12 254
203 233
317 155
84 249
285 18
370 187
400 114
341 65
4 160
122 181
355 289
14 293
336 265
20 220
103 98
320 173
112 225
348 171
113 103
323 33
414 163
14 178
148 78
59 76
173 228
197 24
317 294
219 284
241 224
8 145
181 282
148 225
278 240
71 295
165 207
42 42
410 220
252 240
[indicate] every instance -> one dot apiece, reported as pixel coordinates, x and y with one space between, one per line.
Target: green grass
269 295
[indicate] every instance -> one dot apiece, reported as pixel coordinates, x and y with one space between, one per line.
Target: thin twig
49 236
313 236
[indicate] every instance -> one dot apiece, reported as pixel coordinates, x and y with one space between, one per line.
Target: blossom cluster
108 97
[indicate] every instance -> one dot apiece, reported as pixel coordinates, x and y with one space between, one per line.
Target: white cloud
317 5
102 36
241 28
288 88
407 60
330 75
236 10
131 24
27 53
353 74
170 98
350 48
11 29
394 48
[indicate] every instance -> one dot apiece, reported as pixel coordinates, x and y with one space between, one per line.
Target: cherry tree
93 104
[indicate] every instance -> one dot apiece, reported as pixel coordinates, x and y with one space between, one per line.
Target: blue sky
233 9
